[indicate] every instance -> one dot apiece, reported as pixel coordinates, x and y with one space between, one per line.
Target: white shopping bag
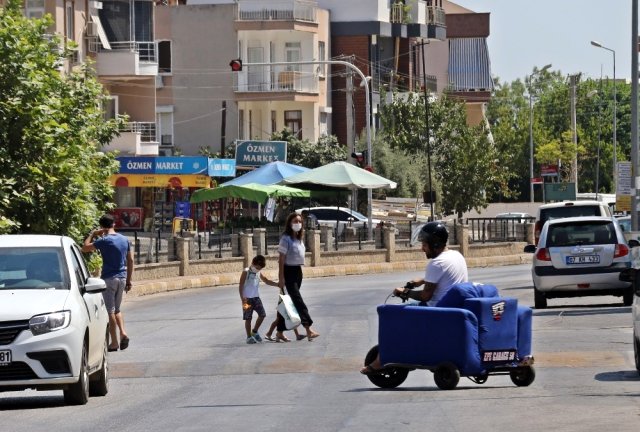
287 309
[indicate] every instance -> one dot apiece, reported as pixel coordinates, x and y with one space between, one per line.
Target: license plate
498 356
583 259
5 357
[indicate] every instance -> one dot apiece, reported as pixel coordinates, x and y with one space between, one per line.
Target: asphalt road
188 368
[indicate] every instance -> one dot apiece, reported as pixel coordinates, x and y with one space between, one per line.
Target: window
125 196
324 130
292 53
322 56
69 21
34 8
293 121
164 57
240 124
110 108
274 127
164 120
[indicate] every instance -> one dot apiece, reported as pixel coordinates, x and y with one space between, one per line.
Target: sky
528 33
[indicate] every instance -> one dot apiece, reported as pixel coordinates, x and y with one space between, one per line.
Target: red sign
537 180
549 170
128 217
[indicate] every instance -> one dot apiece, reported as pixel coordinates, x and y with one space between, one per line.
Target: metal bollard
199 246
158 247
136 246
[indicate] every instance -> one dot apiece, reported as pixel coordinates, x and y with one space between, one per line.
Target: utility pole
573 79
223 129
351 142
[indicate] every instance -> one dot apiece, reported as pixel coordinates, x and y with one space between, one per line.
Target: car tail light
543 255
537 230
621 250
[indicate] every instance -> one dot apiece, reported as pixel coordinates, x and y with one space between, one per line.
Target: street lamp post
531 129
615 116
591 94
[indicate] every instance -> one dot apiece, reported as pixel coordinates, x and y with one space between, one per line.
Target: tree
54 178
463 157
308 154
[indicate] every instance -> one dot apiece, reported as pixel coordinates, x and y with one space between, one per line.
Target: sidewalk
146 287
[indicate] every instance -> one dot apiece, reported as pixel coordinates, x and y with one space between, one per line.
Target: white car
568 209
53 320
341 215
636 327
580 256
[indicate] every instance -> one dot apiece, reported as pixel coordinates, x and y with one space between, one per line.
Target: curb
148 287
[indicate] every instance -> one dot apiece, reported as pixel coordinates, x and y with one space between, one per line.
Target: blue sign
222 167
258 153
164 165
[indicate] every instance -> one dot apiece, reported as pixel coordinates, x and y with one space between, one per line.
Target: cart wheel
389 377
523 376
446 376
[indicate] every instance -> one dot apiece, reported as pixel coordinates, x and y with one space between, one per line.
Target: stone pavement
146 287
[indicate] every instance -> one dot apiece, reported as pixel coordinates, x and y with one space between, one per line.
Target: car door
94 307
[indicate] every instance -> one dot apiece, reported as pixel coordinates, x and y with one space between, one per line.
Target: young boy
250 296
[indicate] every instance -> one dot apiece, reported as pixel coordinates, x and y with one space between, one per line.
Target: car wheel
522 376
446 376
78 393
389 377
539 299
627 296
99 384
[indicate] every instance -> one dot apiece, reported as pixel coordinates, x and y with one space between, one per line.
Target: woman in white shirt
292 251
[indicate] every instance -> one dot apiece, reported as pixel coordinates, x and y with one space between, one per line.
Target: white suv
568 209
53 320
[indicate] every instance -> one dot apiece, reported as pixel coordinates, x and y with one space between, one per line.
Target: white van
569 209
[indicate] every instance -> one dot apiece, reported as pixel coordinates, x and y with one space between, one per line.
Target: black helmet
434 234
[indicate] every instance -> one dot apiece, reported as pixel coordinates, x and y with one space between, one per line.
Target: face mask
253 269
296 227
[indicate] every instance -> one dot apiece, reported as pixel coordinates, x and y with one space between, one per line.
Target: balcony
136 138
125 58
281 79
277 10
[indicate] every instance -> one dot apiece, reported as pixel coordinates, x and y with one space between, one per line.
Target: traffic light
360 158
236 65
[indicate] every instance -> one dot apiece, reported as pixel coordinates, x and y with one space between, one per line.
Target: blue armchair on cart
472 332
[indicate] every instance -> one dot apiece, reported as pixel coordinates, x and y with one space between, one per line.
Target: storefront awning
160 180
469 65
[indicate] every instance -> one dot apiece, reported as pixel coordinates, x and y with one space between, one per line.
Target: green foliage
54 178
463 158
310 155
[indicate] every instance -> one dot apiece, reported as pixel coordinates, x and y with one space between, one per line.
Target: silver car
580 256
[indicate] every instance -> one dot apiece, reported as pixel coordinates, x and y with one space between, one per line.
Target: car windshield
569 211
581 233
31 268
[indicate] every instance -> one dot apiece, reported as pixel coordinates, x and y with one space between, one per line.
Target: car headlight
41 324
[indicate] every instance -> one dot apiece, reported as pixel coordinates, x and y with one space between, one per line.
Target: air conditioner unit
159 81
95 4
92 29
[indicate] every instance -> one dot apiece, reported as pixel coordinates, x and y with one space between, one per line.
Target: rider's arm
424 295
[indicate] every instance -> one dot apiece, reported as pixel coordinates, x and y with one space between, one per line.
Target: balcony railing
436 16
397 13
147 130
146 51
282 78
276 10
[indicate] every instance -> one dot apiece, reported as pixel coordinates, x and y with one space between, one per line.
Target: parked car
517 217
568 209
580 256
53 320
633 275
342 215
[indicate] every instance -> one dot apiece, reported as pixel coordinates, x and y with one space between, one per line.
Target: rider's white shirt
445 270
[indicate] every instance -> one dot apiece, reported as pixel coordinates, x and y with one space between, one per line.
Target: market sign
160 180
163 165
623 186
222 167
258 153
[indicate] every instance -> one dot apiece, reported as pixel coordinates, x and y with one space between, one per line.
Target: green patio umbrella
250 192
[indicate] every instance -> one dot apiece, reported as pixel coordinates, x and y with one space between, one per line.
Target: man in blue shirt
117 269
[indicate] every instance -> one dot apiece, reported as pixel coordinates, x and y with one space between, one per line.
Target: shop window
125 197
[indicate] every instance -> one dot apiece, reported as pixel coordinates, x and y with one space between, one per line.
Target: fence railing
147 130
276 10
498 229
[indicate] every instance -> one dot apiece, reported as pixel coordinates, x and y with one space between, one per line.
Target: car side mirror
95 285
530 248
633 243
